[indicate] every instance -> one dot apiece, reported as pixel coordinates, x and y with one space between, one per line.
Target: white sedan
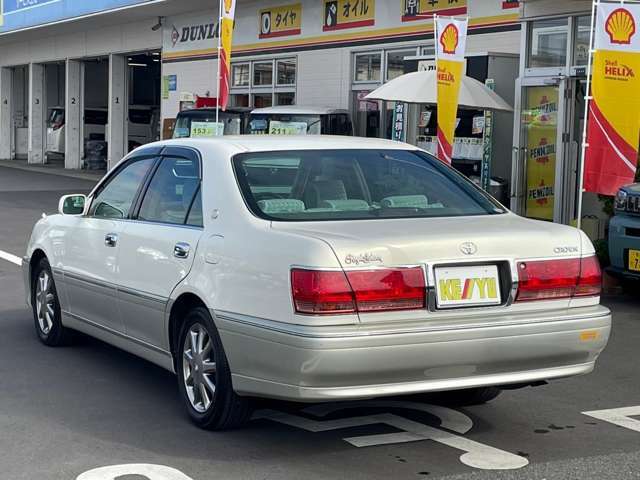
314 269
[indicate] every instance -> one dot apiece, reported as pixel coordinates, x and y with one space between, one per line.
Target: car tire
204 377
46 307
630 287
467 397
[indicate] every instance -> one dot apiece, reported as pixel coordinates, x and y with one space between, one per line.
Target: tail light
57 126
556 279
337 292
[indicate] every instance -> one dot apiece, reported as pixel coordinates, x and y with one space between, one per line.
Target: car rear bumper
299 363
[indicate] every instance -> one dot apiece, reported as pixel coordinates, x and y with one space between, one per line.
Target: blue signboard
19 14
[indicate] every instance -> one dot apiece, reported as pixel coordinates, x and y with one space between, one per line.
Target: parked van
201 122
300 120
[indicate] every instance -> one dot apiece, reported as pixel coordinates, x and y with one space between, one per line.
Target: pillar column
74 115
117 134
37 142
6 123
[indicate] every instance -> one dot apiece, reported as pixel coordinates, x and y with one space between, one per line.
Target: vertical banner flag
614 121
451 40
224 63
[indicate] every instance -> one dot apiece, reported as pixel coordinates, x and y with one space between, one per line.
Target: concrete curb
51 170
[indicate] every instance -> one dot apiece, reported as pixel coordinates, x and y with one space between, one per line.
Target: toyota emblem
469 248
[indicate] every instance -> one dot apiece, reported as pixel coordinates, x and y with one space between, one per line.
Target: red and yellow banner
226 40
451 42
614 121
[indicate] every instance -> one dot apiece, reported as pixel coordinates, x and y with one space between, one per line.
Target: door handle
181 250
111 239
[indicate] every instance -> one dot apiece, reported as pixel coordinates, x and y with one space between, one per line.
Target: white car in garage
314 269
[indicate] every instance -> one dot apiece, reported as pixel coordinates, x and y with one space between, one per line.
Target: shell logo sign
620 26
449 39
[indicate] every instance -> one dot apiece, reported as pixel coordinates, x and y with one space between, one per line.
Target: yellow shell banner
613 120
451 37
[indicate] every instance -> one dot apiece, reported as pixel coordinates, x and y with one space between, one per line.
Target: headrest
284 205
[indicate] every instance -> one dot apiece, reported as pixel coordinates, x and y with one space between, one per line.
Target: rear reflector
336 292
556 279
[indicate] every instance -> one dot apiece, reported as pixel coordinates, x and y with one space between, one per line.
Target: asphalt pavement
67 411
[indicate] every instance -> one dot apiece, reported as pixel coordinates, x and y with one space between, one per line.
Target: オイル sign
451 36
20 14
614 123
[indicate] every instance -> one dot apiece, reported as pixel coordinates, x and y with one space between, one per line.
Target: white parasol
421 87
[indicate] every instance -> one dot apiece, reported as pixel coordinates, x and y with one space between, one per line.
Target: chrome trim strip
91 281
303 331
142 295
116 333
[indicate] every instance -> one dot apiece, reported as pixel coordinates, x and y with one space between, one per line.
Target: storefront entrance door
540 150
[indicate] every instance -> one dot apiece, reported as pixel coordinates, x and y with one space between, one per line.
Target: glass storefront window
286 71
239 100
581 47
548 47
261 100
428 50
395 62
368 67
240 75
367 116
285 98
263 74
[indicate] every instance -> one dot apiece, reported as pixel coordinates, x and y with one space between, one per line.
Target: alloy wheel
199 368
45 301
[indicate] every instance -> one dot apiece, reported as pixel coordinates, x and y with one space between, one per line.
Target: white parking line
10 258
619 416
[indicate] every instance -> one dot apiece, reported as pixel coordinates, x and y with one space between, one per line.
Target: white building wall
129 37
323 77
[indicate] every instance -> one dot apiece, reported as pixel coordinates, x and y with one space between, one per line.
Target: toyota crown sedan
314 269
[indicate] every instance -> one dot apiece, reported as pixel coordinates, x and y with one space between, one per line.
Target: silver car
314 269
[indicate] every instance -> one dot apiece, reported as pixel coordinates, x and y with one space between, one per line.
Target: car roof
207 110
298 109
234 144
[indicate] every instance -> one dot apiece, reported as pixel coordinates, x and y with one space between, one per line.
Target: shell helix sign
614 124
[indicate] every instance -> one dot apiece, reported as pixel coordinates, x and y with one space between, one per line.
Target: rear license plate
634 260
467 286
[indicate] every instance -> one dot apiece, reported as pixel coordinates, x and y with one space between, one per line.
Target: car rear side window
171 191
114 200
325 185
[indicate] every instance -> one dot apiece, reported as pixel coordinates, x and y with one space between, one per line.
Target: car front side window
114 200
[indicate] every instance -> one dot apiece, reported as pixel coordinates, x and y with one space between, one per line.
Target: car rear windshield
326 185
